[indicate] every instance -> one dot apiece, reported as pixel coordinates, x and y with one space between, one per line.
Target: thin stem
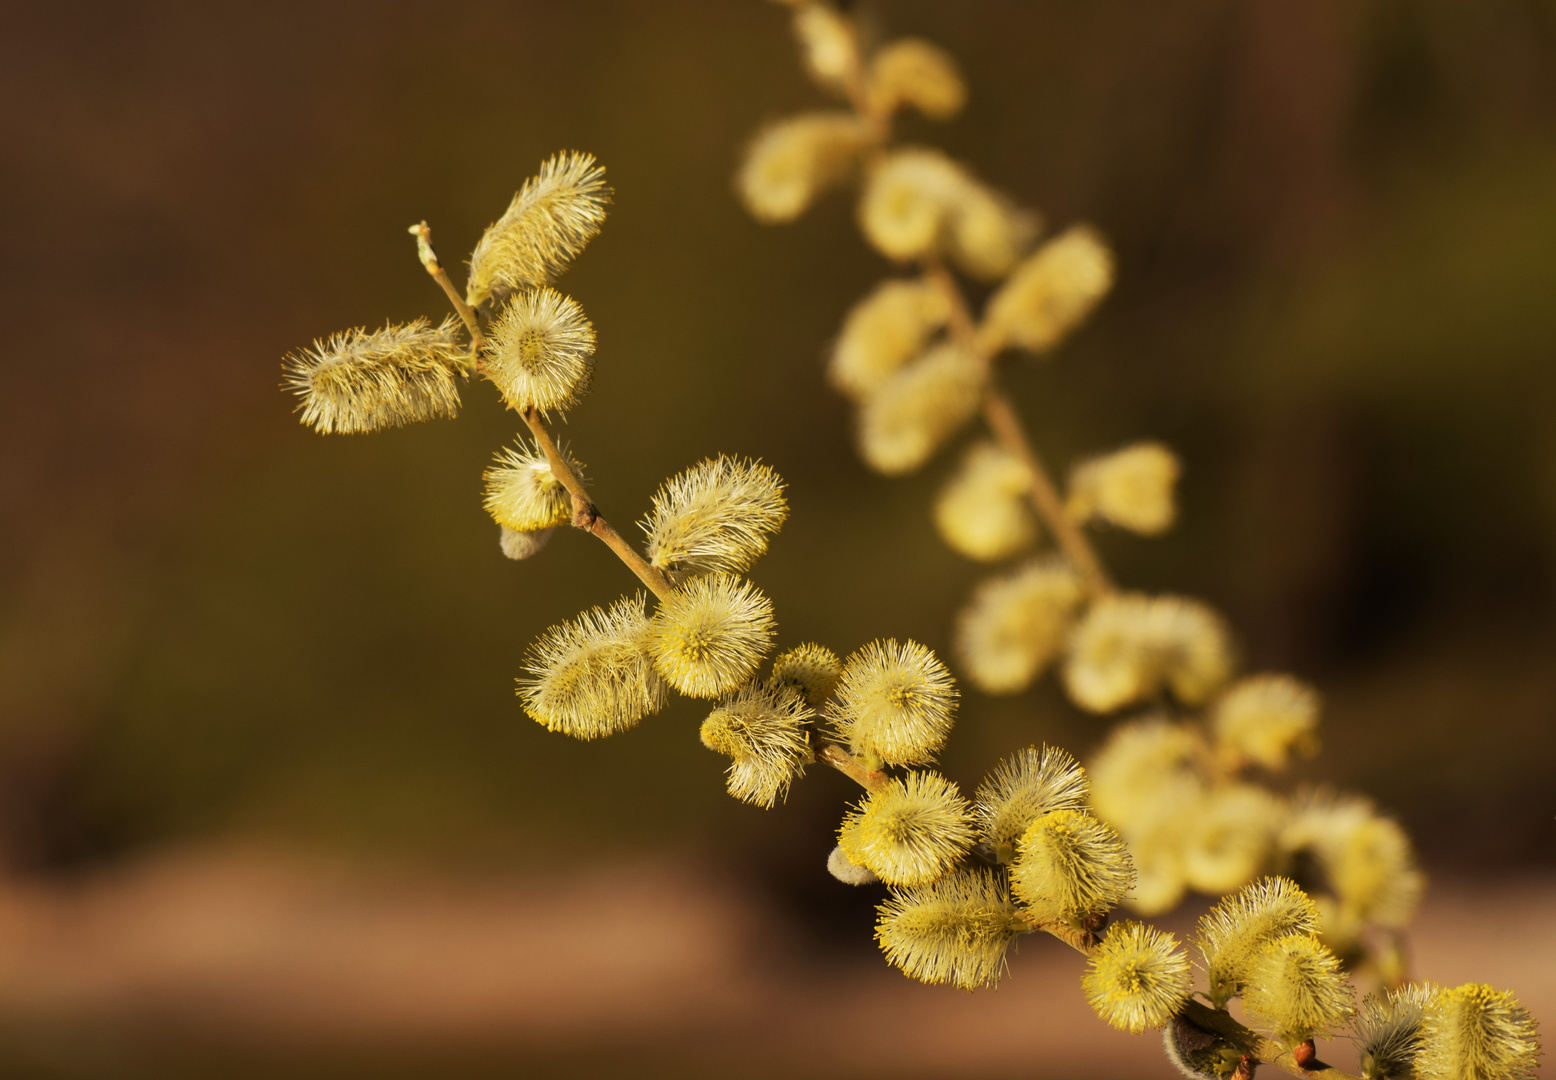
852 767
587 516
1007 428
429 260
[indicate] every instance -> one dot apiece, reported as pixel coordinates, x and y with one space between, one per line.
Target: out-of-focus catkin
716 516
882 332
593 676
523 494
1138 978
911 414
1050 293
552 218
793 161
360 380
1267 718
911 831
982 511
917 73
956 930
1015 624
1131 488
1230 836
828 45
894 703
1128 645
710 634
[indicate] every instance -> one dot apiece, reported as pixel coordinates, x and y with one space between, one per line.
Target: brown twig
586 515
1007 428
852 767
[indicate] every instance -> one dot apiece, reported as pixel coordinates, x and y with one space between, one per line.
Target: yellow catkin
552 218
894 703
982 511
540 351
1474 1032
848 872
956 930
1265 719
765 733
1022 788
914 72
911 831
1231 837
1144 767
1131 488
1138 978
793 161
1388 1031
1366 857
715 516
1297 986
523 494
828 45
912 414
710 635
1015 624
908 201
358 381
810 670
1050 293
1070 866
882 332
1233 934
593 676
1128 645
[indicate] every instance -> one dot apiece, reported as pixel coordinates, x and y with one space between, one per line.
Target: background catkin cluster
1041 846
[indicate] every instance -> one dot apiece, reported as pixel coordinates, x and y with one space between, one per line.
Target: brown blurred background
267 802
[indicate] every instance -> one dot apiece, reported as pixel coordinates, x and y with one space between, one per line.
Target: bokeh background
266 798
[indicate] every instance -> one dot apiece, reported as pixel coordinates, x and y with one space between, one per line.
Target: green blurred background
1336 228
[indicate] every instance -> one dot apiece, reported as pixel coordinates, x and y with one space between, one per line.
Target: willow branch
1007 428
587 516
852 767
429 261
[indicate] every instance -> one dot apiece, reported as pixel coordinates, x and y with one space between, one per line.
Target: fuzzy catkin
523 494
716 516
1233 934
1266 719
552 218
1474 1032
359 381
1388 1031
541 351
956 930
764 731
1298 986
593 677
894 702
1022 788
1231 837
1131 488
1138 978
810 670
1070 866
710 634
909 832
